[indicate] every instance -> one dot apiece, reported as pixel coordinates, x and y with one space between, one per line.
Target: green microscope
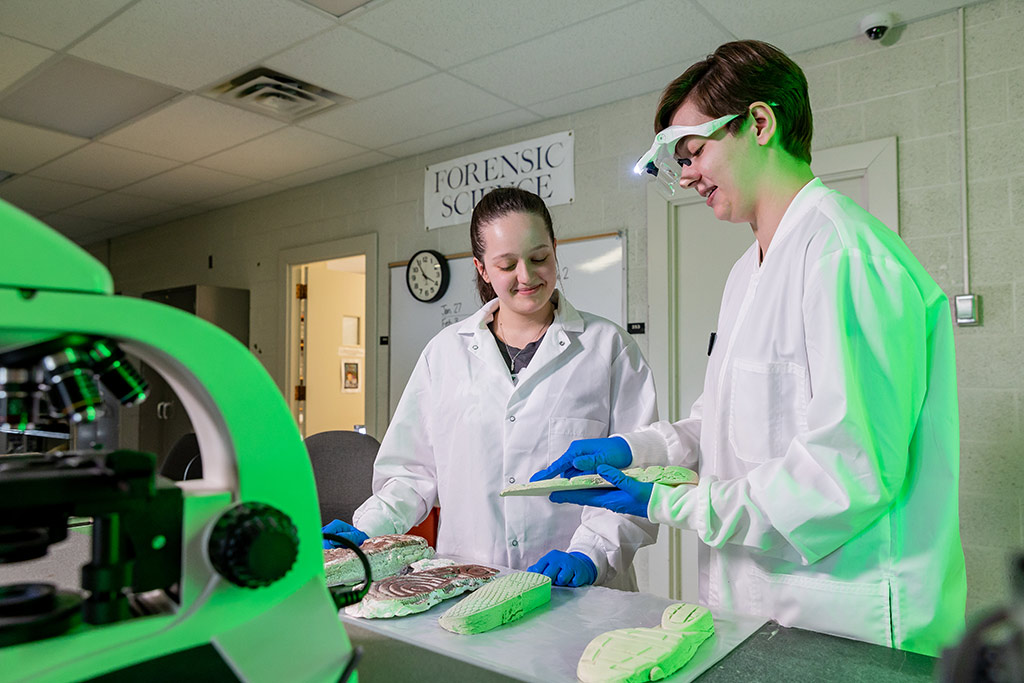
219 578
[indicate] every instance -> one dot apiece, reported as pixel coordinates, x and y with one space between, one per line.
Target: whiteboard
593 277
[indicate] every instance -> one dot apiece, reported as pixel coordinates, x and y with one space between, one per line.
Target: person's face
721 167
519 262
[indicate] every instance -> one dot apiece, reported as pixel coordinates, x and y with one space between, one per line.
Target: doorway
331 365
689 256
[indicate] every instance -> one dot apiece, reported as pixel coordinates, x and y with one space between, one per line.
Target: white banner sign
543 166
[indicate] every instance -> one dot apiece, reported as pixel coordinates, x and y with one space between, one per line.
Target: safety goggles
661 161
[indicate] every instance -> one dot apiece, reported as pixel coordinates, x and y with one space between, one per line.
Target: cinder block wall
859 90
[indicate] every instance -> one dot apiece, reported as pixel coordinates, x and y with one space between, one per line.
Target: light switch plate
967 308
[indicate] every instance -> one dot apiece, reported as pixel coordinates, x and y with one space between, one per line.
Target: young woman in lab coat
827 437
500 394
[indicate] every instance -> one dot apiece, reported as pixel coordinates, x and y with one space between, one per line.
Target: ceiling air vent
271 93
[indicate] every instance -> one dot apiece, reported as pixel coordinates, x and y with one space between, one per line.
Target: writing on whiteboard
451 314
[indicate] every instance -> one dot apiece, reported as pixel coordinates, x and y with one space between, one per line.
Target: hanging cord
342 596
962 62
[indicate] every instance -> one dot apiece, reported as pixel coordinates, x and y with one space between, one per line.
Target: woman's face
519 262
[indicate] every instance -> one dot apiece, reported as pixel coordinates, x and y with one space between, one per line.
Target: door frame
874 160
288 259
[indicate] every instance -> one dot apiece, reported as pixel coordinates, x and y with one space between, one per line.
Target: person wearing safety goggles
827 437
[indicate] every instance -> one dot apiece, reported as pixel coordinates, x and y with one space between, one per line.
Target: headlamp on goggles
661 162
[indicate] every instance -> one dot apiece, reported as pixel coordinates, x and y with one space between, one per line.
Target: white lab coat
827 437
463 431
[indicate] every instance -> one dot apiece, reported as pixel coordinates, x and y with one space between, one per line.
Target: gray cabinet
162 419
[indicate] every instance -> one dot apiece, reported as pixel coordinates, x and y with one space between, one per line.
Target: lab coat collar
555 341
567 318
804 201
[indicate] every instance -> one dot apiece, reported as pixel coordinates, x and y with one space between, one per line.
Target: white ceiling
421 74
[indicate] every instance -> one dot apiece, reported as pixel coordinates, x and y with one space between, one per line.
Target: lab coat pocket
562 431
851 609
767 408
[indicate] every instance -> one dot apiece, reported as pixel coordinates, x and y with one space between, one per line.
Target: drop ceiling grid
349 64
54 23
192 128
778 16
118 207
631 86
17 58
188 184
612 46
222 38
421 108
281 153
334 169
462 133
104 167
42 195
24 147
458 31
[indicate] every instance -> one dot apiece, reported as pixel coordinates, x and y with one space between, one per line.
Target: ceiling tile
467 131
456 31
334 169
238 196
335 60
22 147
39 194
54 23
281 153
192 128
170 216
105 234
193 43
104 166
650 81
81 98
771 18
441 102
524 74
17 58
116 207
75 227
188 184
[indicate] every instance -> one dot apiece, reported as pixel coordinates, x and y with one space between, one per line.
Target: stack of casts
420 590
387 555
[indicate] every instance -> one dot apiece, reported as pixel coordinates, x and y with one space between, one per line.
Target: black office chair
183 461
343 468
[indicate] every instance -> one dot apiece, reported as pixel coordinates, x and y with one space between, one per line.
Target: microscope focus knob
253 545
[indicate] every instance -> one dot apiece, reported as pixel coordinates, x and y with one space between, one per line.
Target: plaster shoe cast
418 591
667 476
504 599
633 655
387 555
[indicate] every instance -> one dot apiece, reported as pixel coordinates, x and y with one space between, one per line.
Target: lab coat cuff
674 505
592 548
374 522
647 446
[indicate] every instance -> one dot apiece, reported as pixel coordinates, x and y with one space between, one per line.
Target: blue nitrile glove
566 569
584 455
630 498
345 530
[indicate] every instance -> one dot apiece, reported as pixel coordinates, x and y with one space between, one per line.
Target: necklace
512 361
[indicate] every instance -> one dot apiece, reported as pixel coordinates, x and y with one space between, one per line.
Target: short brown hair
738 74
499 202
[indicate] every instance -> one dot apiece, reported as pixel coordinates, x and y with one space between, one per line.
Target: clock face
427 276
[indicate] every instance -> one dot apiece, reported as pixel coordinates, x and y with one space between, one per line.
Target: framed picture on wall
351 371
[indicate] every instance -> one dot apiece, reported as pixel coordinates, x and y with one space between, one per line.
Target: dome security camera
875 25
